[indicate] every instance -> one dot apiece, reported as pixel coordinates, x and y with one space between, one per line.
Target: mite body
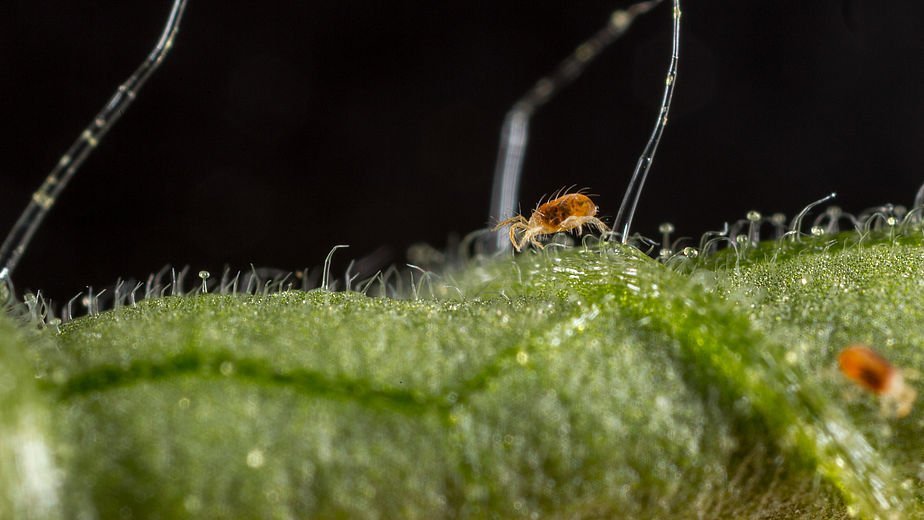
867 368
565 213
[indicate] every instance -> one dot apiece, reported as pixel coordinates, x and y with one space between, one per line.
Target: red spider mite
867 368
561 214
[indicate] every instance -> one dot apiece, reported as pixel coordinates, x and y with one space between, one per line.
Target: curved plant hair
507 175
16 242
515 131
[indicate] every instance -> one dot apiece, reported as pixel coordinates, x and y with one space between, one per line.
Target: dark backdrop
277 130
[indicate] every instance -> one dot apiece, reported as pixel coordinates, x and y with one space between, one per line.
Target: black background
277 130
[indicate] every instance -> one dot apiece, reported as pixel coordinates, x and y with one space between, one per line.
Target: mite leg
519 219
513 237
579 222
531 234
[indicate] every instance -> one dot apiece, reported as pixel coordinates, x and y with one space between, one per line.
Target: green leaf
584 382
28 476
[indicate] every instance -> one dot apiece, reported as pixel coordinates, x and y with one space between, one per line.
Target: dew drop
55 323
891 221
753 216
255 458
620 19
59 376
817 231
204 275
192 504
691 252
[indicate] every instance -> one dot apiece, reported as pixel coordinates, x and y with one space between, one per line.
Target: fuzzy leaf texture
585 382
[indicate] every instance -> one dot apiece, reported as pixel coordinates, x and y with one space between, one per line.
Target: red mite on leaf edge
870 370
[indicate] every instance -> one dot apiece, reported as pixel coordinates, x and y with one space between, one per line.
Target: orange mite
571 211
873 372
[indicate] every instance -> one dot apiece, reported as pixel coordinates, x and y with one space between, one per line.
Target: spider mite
867 368
515 133
570 211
